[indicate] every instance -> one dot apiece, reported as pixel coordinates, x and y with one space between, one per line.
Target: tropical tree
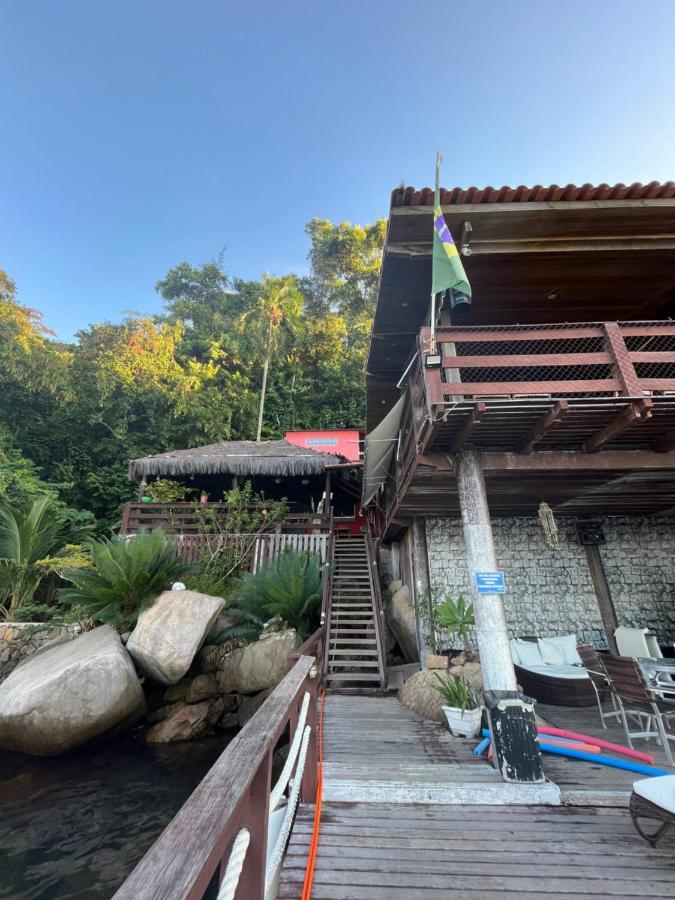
26 538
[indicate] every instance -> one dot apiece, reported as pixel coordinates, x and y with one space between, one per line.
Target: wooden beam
468 425
572 460
506 206
541 245
603 595
539 429
639 409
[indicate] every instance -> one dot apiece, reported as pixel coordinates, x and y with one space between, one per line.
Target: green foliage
457 692
125 577
27 537
163 490
288 586
192 375
456 616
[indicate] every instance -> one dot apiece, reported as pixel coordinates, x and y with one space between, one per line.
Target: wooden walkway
410 812
403 851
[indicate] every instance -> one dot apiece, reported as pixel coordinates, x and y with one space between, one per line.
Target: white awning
380 446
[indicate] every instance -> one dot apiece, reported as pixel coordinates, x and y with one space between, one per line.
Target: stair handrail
378 609
327 596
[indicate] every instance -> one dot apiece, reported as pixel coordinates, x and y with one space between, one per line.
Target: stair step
350 652
352 640
352 676
352 632
346 607
355 663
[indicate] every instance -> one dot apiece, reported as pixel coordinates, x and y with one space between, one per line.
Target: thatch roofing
235 458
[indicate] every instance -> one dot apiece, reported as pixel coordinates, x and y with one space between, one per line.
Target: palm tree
280 303
26 537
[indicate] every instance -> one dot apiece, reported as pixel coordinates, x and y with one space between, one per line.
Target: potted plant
463 708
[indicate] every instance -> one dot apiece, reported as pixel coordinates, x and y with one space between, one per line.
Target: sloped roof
236 458
553 193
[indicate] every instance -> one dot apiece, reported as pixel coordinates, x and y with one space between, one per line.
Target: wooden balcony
589 387
198 519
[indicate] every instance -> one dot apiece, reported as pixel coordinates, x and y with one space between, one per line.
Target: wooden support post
491 630
601 587
309 778
422 585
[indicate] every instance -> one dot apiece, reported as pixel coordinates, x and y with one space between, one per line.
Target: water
76 825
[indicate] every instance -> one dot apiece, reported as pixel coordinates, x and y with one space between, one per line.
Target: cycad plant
288 586
126 576
26 537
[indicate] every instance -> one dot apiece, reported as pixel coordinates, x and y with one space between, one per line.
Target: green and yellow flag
446 268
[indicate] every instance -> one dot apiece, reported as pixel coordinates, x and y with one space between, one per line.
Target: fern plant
457 692
126 576
288 586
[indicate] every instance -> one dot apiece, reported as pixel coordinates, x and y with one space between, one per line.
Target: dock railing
228 814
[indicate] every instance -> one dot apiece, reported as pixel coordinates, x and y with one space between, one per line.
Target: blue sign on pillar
490 582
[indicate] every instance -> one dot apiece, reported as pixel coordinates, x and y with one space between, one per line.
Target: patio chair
653 798
592 662
637 642
650 705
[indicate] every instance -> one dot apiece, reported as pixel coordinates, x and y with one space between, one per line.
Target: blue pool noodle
603 760
480 749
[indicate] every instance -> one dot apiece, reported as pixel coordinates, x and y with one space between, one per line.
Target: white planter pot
466 724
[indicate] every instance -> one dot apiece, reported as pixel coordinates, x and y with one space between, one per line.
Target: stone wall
21 639
550 591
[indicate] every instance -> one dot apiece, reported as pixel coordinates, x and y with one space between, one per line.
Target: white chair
653 798
640 643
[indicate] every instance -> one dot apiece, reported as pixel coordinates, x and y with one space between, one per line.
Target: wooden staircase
354 646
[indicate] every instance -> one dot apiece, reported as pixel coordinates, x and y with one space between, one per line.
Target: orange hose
309 872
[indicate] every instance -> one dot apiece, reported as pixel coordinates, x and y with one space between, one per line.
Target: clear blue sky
139 134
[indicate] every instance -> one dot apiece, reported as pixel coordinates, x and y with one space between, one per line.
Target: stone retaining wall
550 591
21 639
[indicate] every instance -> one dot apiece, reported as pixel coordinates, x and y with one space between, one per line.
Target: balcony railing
557 387
604 359
199 519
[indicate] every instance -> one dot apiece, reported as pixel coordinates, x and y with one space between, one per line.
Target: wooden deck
586 783
402 851
409 812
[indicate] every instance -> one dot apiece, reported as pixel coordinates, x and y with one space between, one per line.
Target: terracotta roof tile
655 190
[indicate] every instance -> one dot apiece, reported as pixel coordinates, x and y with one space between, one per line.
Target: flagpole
437 200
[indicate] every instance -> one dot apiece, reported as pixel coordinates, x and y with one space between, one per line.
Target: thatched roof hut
241 458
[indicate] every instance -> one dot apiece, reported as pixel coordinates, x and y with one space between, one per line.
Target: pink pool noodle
574 745
598 742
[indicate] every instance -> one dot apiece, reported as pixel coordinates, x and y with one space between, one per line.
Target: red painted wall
344 442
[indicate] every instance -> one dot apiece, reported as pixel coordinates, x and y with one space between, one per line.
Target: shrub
27 537
288 586
126 576
456 692
456 616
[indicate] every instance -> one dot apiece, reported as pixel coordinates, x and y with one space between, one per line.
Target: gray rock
67 694
168 634
249 706
419 694
193 690
256 666
401 618
394 586
184 724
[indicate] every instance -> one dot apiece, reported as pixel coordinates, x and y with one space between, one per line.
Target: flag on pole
446 268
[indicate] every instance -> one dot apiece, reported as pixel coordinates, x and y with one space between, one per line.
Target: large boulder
419 694
169 633
401 618
68 694
257 666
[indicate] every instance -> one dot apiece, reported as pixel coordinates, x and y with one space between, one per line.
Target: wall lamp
432 360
